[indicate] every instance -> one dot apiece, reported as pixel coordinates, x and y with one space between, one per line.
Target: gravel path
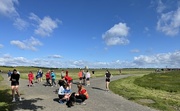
39 98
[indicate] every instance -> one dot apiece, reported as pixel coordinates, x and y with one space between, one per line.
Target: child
48 77
30 77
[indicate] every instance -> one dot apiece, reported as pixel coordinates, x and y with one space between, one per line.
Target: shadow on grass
98 88
5 101
28 105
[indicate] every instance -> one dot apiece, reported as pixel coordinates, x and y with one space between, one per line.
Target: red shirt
48 76
84 92
31 76
68 79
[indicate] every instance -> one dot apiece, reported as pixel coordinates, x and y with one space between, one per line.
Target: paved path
39 98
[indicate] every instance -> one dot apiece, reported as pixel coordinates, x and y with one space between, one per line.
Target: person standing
30 77
88 76
48 77
108 77
84 77
15 85
53 77
80 76
9 74
62 74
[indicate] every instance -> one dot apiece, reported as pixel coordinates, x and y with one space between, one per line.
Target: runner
30 77
9 74
48 77
15 85
53 78
68 79
108 77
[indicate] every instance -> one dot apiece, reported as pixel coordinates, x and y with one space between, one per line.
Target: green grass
5 93
139 88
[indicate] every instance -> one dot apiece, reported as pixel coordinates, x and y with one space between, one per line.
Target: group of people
84 77
64 91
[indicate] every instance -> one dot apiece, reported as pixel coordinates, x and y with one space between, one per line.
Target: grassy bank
5 93
157 90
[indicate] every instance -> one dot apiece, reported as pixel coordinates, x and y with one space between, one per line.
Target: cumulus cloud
169 22
1 46
7 8
159 60
29 44
171 60
117 35
20 23
45 26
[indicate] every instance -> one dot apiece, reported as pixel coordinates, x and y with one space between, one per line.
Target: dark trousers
81 97
48 82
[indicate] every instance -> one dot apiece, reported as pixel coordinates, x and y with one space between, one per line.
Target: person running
80 76
82 94
48 77
68 79
88 76
9 74
53 78
38 76
15 85
108 76
30 77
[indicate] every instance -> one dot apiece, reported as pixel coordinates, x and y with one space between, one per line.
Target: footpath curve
40 98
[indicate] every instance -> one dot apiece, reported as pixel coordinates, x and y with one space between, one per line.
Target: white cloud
27 44
1 46
171 60
45 26
55 56
117 35
160 8
7 8
169 23
159 60
20 23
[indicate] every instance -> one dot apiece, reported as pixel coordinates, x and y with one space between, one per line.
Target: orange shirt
83 91
80 74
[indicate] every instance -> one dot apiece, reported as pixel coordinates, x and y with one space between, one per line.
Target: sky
92 33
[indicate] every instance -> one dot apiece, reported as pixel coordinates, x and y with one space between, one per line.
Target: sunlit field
73 72
158 90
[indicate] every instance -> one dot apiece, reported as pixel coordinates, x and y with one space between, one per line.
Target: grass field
5 93
157 90
73 72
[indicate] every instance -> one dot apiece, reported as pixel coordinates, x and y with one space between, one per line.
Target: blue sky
93 33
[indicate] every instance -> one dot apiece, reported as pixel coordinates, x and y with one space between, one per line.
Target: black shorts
14 83
61 96
87 79
107 80
80 78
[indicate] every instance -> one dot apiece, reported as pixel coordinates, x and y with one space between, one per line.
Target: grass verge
155 98
5 93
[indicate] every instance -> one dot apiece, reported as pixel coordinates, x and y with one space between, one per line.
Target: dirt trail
40 98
